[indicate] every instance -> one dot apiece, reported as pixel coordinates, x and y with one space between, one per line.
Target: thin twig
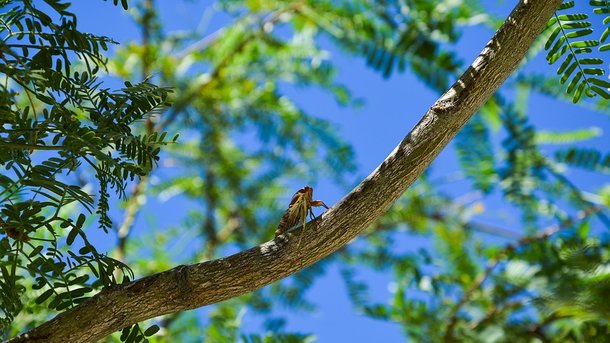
206 41
31 146
134 203
215 73
209 224
493 262
439 216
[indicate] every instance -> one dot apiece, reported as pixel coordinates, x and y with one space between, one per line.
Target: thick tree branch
188 287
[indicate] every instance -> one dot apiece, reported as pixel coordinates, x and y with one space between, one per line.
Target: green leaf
565 64
578 93
575 25
599 82
572 17
79 280
590 61
151 330
553 137
603 92
579 33
568 72
604 35
44 296
36 251
80 221
565 5
584 43
574 82
72 235
556 52
593 71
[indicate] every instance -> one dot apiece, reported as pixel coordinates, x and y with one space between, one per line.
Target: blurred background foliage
244 143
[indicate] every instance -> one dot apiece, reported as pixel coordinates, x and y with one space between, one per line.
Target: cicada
300 206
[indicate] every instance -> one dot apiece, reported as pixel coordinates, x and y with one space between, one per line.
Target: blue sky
392 107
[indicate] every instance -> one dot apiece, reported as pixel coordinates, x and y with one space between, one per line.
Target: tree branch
493 263
214 74
188 287
31 146
135 201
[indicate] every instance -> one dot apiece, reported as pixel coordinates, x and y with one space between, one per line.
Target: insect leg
311 215
318 203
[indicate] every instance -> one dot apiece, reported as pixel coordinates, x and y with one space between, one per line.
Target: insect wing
291 216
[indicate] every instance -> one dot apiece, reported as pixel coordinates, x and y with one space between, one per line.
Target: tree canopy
207 118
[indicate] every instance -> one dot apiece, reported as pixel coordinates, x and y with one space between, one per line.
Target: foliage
54 116
567 38
585 158
246 140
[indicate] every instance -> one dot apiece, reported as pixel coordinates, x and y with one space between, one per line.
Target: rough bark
191 286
